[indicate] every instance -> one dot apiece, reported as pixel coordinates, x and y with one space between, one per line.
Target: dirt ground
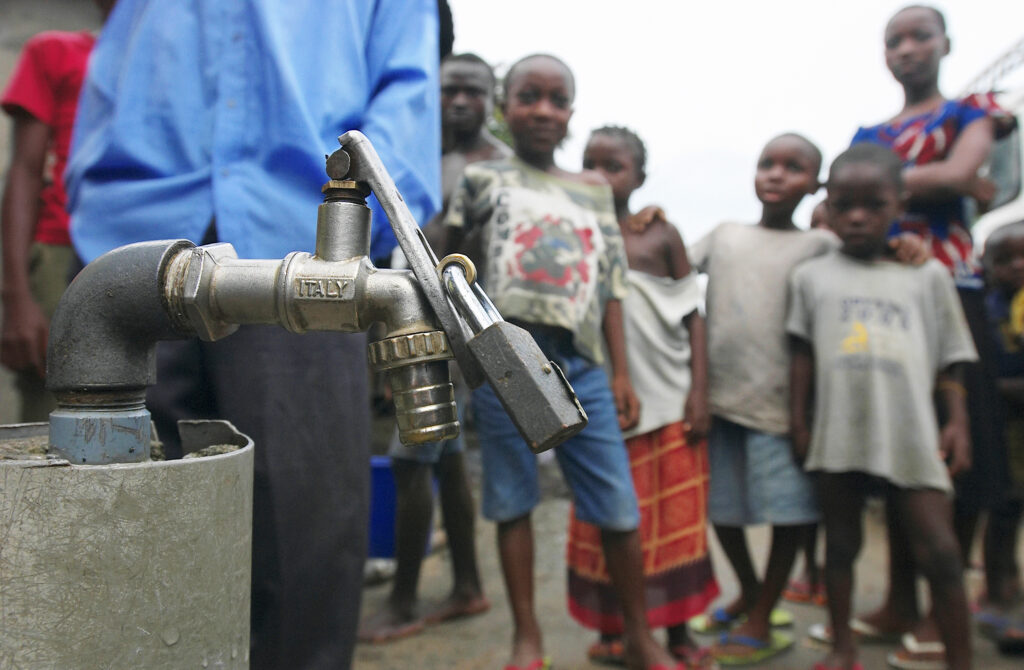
483 642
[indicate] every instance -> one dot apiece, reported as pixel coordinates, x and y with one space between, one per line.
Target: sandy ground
483 641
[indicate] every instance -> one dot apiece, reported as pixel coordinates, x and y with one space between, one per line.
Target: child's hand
955 447
910 249
639 222
696 416
626 402
800 437
984 191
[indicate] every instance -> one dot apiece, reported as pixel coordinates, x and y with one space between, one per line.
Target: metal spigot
101 355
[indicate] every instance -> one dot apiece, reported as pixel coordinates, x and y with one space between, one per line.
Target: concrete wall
19 20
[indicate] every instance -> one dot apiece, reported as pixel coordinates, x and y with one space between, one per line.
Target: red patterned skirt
671 480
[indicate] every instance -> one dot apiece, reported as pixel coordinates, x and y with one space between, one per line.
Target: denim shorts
594 462
755 480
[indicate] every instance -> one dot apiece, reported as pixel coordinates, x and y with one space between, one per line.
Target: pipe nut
197 291
402 350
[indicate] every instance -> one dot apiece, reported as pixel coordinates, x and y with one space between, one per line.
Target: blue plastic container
383 502
382 508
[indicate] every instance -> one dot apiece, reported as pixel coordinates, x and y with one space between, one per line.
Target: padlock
533 390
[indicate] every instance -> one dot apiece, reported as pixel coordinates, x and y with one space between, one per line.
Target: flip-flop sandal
717 621
917 655
822 666
695 658
990 622
612 652
536 664
866 633
759 650
720 621
798 591
1010 639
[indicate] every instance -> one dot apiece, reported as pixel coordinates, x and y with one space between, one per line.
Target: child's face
1008 262
862 203
819 216
612 157
914 46
465 96
786 172
538 107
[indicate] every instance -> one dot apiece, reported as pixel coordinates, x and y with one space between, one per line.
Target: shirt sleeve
614 286
403 114
955 342
30 87
700 251
800 310
984 105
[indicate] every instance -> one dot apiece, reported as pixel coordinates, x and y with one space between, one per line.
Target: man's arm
801 390
25 327
403 114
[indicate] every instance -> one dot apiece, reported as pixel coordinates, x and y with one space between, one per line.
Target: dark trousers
303 400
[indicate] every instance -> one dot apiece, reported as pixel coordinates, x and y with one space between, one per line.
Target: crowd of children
877 354
833 364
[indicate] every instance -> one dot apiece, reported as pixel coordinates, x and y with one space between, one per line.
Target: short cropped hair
874 154
472 59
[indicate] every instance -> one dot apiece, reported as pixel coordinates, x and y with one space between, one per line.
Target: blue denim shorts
754 479
594 462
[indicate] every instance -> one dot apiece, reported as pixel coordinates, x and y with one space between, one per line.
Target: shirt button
224 172
232 104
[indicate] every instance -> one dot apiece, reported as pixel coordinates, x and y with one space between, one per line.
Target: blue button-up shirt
225 109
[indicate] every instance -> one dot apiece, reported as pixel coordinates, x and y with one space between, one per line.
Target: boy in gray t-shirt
871 342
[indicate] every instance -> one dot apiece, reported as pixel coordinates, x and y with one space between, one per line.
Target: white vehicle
1006 165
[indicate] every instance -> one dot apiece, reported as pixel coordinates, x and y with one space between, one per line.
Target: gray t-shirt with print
881 332
748 354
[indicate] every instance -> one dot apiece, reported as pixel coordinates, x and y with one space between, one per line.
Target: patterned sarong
671 479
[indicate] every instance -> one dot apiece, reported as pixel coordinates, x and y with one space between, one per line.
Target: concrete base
142 565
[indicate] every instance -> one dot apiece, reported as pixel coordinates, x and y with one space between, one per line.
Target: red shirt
45 84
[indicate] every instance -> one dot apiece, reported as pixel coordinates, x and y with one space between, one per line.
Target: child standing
871 338
942 144
667 354
1002 617
754 478
552 261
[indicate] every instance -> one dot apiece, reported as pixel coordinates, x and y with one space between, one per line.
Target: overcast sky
707 84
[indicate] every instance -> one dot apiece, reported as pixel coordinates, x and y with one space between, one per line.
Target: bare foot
886 621
838 661
456 607
647 653
526 652
389 625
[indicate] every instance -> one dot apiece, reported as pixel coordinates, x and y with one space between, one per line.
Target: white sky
706 84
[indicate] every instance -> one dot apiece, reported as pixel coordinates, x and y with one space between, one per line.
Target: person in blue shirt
210 121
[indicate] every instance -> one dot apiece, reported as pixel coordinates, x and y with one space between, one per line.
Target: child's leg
842 502
729 508
596 466
929 526
734 544
515 548
899 613
1002 577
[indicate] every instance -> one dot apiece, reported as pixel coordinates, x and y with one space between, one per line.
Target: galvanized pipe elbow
103 335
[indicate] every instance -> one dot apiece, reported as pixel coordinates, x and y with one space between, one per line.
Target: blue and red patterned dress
928 138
